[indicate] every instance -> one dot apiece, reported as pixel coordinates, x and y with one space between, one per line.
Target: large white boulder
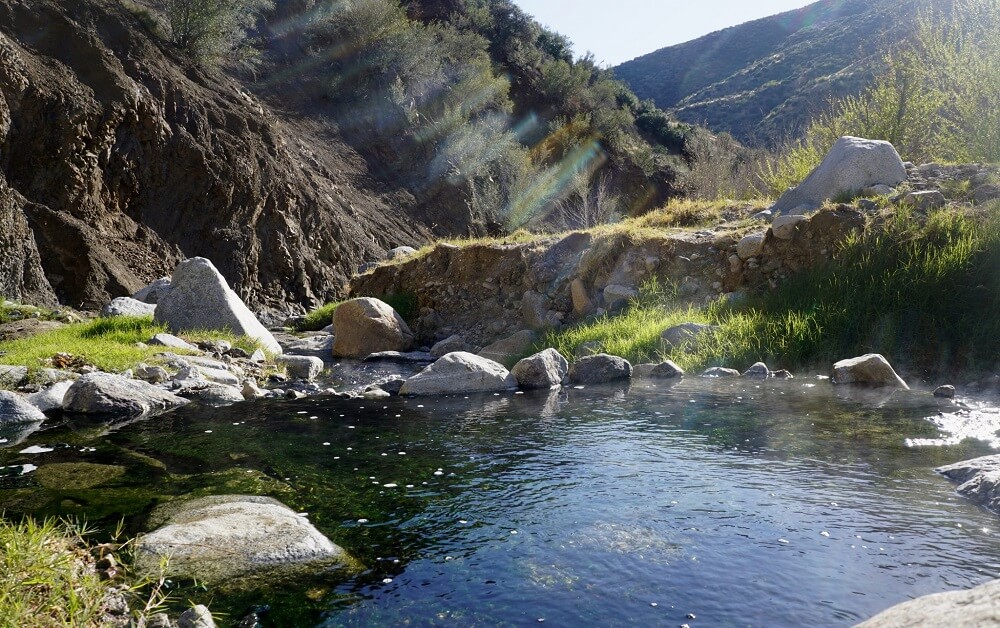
545 369
200 298
872 369
117 397
218 538
956 609
459 372
852 165
365 326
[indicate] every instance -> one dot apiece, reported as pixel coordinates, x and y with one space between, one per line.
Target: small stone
945 392
758 371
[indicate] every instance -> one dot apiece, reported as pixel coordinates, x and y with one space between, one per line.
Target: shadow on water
771 502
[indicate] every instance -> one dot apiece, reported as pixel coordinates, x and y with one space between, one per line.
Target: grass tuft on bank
924 291
48 577
110 344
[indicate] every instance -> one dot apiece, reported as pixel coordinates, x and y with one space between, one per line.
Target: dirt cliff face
118 158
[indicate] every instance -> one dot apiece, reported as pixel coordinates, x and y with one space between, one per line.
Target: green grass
110 344
923 293
48 578
318 318
15 311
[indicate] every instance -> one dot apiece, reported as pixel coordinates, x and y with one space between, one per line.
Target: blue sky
619 30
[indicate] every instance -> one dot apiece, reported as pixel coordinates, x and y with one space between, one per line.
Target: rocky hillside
121 152
762 80
118 156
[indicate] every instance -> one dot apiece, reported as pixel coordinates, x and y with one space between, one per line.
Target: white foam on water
36 449
978 423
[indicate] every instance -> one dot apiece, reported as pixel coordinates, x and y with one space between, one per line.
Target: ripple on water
980 422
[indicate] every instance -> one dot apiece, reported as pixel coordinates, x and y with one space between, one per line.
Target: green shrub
318 318
211 30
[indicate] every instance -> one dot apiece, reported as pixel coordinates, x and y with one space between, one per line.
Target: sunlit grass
110 344
318 318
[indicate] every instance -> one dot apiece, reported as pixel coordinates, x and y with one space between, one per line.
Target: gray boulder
945 392
599 369
785 227
16 409
545 369
925 200
127 306
320 346
459 372
986 193
220 538
451 344
151 374
172 342
750 246
757 371
154 291
972 608
117 397
978 479
197 616
211 393
852 165
200 298
511 348
365 326
685 334
400 252
50 398
617 296
870 369
12 376
666 370
301 366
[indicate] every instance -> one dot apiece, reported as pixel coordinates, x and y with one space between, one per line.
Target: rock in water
49 399
545 369
955 609
366 325
979 480
15 409
126 306
852 165
719 371
459 372
117 397
225 537
200 298
666 370
758 371
867 369
600 369
945 392
302 366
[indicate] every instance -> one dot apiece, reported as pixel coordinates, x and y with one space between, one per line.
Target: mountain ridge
762 80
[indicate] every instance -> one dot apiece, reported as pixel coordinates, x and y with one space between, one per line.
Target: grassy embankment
922 291
110 344
49 577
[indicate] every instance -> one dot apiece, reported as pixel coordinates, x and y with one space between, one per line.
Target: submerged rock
600 369
365 326
956 609
15 409
459 372
117 397
870 369
545 369
718 371
200 298
852 165
979 480
221 538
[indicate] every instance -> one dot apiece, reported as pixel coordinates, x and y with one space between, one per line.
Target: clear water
781 503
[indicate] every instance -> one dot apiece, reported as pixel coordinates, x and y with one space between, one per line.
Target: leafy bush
211 30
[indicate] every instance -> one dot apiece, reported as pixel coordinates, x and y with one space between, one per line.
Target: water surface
742 504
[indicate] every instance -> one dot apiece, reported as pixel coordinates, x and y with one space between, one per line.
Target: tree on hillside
210 30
